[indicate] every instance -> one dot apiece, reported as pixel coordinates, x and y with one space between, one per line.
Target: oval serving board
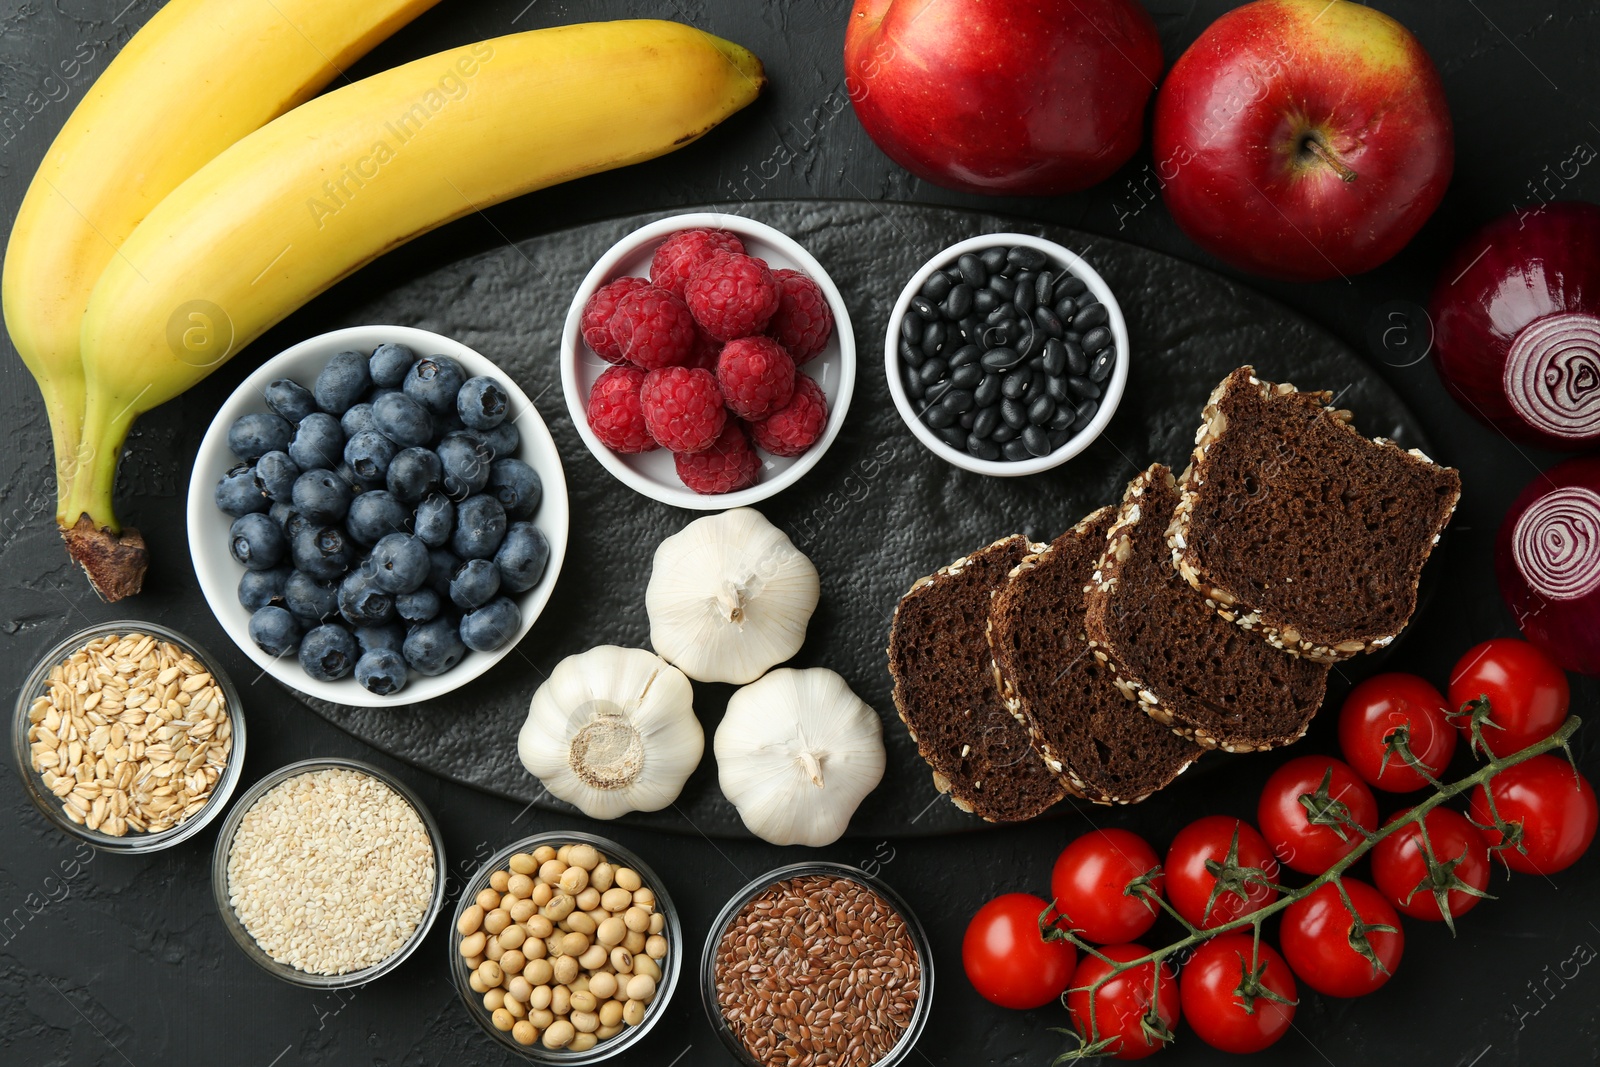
878 511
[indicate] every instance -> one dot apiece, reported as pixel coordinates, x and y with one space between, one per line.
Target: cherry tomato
1300 844
1555 805
1189 884
1089 883
1526 690
1316 940
1371 713
1006 959
1400 867
1121 1003
1210 985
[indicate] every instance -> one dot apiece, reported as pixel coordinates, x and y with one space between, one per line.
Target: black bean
1096 339
977 446
1087 318
1046 320
957 400
938 416
1065 308
972 270
1014 413
937 286
1083 388
1001 358
1086 412
970 330
968 376
928 309
1057 389
1032 340
1002 285
1023 297
1027 258
1077 358
1100 370
1003 433
911 355
1036 440
1041 410
933 370
1069 285
964 355
994 259
1016 384
1001 313
984 301
958 303
1064 417
1044 286
955 275
1015 450
967 419
934 336
911 327
1059 438
988 417
954 436
1055 357
988 391
914 387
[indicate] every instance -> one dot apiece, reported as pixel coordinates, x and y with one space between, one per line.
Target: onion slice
1547 559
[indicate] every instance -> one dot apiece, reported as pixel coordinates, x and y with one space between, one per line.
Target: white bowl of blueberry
377 515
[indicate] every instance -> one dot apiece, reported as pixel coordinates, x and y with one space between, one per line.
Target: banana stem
114 559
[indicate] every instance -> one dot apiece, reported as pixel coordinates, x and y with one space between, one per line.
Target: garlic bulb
729 597
796 754
612 731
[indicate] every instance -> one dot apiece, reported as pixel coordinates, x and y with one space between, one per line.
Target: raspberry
615 414
706 351
683 408
727 465
803 323
652 328
795 427
756 376
685 250
597 313
732 295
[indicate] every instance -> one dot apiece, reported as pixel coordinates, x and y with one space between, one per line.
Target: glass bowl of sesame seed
328 873
129 735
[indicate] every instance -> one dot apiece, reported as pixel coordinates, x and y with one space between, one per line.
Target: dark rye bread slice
1186 665
1100 743
1294 525
944 691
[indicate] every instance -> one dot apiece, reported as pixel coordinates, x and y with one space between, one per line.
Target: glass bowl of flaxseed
129 735
817 965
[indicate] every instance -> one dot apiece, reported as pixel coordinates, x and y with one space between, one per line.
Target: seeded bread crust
1299 637
1033 681
1018 789
1189 705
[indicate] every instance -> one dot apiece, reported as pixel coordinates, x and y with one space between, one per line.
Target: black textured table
117 960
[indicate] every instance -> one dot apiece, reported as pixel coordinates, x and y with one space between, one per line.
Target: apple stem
1314 144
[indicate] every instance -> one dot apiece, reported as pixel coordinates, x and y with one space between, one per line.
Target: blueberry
318 442
434 647
503 440
381 671
402 420
369 454
413 474
284 515
449 423
491 626
359 417
310 600
399 562
328 652
257 589
290 399
516 485
482 403
342 382
389 364
434 382
442 564
322 551
474 584
361 602
420 605
465 460
275 475
374 514
274 631
256 541
253 436
522 558
321 496
391 637
435 519
480 527
238 494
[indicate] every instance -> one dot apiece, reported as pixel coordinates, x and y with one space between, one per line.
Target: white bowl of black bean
1006 354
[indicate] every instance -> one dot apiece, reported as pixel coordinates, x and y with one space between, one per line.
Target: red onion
1547 558
1516 316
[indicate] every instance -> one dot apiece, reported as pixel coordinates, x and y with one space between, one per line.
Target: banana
162 109
312 196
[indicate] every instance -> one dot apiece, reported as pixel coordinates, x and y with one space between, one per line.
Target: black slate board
875 514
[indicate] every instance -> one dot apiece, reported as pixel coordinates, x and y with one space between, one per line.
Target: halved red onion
1547 559
1516 316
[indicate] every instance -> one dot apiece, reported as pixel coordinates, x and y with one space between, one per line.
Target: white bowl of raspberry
708 361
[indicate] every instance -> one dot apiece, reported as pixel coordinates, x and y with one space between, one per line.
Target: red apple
1001 97
1303 139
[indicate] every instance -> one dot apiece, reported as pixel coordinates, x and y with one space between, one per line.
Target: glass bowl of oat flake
328 873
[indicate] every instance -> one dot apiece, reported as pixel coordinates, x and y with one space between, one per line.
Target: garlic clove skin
613 730
797 752
729 597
